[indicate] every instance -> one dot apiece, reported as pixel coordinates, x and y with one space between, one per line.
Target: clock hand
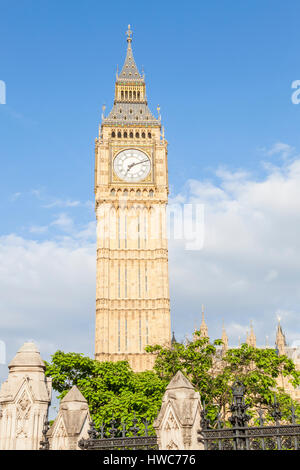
143 161
133 164
129 167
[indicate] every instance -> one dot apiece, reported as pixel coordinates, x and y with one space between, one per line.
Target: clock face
132 165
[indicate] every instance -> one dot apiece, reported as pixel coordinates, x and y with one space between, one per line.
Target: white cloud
15 196
271 275
68 203
38 229
64 222
248 268
47 293
62 203
37 193
284 150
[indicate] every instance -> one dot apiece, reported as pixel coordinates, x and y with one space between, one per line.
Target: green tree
112 389
213 373
260 370
195 359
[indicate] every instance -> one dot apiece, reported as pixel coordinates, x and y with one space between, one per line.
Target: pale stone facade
292 353
71 423
179 418
131 193
24 400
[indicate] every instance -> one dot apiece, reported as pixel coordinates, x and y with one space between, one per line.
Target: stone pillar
24 400
71 423
179 418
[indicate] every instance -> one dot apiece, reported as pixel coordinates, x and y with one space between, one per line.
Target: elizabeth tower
131 191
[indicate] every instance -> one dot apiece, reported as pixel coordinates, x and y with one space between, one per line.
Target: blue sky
221 72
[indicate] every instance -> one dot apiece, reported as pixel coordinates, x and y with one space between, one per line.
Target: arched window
113 192
126 94
130 95
125 135
143 135
149 135
151 193
138 193
137 135
134 95
122 94
119 135
131 135
113 134
138 95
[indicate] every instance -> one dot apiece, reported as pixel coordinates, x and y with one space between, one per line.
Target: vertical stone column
24 400
179 418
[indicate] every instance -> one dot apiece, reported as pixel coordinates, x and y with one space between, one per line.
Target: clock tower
131 192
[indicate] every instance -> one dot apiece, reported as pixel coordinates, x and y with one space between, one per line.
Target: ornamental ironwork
237 434
119 436
44 443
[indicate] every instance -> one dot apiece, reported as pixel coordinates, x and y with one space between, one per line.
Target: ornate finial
173 340
224 337
117 72
203 326
158 111
129 34
251 338
163 133
103 110
238 389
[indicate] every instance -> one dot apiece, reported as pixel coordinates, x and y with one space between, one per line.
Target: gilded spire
129 34
129 71
251 338
280 339
173 340
224 339
203 327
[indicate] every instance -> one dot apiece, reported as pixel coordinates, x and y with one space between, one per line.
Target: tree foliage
212 373
111 389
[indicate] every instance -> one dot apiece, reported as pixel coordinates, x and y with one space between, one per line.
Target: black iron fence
119 436
236 434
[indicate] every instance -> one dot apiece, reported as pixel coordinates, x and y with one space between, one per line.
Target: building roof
74 394
129 71
127 112
27 356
